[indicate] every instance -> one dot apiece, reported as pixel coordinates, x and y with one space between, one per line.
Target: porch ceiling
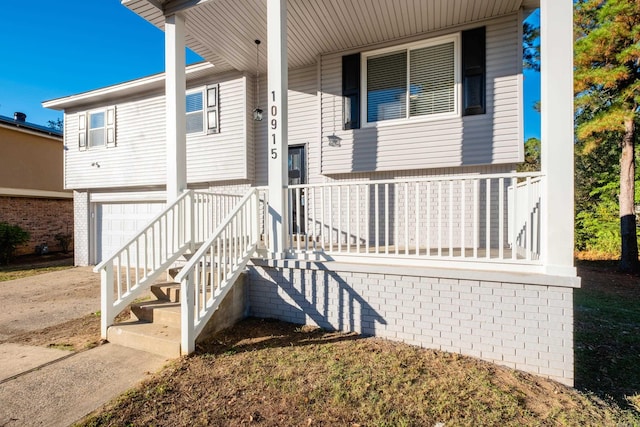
223 31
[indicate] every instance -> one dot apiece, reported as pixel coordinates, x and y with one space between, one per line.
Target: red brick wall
42 218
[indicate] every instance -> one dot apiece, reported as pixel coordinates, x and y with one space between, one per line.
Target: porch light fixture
334 140
257 112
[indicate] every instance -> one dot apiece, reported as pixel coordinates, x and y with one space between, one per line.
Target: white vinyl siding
449 141
139 159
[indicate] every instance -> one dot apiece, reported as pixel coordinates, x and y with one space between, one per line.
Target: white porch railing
471 218
214 268
177 229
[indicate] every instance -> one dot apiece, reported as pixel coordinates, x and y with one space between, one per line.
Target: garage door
118 222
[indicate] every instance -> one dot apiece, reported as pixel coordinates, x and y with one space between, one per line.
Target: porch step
162 312
152 337
167 291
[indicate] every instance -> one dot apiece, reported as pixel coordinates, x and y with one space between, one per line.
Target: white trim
155 81
124 197
435 41
26 192
447 271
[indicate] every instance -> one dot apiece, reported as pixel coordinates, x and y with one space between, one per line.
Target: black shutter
473 71
351 91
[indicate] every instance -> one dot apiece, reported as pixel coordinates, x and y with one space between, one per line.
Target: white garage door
118 222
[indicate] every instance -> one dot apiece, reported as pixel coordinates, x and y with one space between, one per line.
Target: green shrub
11 236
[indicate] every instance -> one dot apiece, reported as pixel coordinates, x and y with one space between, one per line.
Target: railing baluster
417 216
348 236
501 218
377 222
339 227
386 218
358 222
406 218
488 219
476 211
428 219
439 218
451 218
463 219
396 220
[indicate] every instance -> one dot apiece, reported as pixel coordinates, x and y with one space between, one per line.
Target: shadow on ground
607 333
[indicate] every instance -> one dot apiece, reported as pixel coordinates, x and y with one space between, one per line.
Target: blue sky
54 49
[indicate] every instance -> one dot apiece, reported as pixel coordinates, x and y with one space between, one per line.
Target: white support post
278 77
556 42
175 84
107 315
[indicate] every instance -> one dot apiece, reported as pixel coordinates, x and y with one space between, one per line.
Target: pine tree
607 88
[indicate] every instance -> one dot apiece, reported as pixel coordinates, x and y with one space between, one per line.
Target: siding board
472 140
138 160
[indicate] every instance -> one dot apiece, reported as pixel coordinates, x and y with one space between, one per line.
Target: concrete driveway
48 299
49 387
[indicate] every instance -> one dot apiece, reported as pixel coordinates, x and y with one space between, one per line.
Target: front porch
480 264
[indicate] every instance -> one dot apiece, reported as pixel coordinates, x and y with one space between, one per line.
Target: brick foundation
523 326
42 218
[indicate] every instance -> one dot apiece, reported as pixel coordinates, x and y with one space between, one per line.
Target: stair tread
158 304
147 329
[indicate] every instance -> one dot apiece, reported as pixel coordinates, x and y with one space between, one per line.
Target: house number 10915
273 112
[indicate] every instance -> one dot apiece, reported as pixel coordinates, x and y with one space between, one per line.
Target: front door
297 176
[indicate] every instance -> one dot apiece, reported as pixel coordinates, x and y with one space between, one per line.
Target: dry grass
12 273
276 374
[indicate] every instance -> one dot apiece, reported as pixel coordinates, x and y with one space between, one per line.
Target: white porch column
556 41
175 85
277 114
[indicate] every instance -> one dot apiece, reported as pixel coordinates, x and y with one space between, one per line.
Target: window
97 128
195 113
417 80
196 117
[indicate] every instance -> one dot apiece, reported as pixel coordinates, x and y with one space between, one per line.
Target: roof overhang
223 31
130 88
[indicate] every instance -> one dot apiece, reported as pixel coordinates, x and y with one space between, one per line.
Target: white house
377 194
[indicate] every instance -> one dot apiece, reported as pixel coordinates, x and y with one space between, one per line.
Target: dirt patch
47 300
76 335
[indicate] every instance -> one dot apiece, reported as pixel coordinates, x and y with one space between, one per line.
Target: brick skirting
523 326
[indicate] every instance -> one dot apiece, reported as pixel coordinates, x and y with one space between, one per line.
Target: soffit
223 31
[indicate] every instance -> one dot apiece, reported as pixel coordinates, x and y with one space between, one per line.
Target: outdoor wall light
334 140
257 115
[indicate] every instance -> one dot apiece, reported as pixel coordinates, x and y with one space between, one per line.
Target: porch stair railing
178 229
212 271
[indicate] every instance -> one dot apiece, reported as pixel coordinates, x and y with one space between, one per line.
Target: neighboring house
379 196
31 189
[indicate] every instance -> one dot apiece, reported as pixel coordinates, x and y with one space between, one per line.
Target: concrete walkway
49 387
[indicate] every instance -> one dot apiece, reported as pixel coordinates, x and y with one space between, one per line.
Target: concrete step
150 337
167 291
159 311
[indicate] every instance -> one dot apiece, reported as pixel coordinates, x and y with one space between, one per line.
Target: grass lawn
270 373
31 265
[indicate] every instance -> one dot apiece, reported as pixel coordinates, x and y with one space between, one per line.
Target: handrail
143 258
211 272
132 240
